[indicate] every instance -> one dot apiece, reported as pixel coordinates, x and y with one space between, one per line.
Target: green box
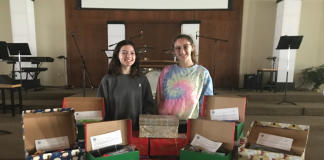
187 155
80 128
125 156
216 131
238 131
99 128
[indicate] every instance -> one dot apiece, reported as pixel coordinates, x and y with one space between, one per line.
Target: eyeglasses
185 47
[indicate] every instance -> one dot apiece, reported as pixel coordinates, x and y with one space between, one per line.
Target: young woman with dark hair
181 87
126 92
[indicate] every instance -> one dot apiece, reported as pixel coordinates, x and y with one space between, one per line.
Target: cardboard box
142 144
84 104
167 146
125 127
216 131
158 126
220 102
299 134
49 123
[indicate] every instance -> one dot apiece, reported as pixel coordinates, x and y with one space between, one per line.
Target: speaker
5 79
250 81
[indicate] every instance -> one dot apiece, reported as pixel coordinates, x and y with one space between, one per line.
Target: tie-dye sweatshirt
180 91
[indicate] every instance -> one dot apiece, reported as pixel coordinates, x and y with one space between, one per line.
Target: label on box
224 114
52 143
205 144
88 115
105 140
275 141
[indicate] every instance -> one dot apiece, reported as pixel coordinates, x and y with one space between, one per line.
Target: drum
153 77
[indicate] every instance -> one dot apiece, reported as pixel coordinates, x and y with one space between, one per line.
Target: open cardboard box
216 131
220 102
81 104
49 123
299 134
94 129
85 104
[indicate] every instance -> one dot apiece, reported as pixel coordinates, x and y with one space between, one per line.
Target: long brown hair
188 38
114 67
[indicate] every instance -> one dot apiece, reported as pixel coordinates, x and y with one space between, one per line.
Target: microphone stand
135 36
215 40
84 68
128 39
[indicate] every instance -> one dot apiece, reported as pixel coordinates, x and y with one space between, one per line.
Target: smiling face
127 56
183 49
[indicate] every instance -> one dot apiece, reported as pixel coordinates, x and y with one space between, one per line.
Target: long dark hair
188 38
114 67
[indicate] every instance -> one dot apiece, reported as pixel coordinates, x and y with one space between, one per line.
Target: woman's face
127 55
183 49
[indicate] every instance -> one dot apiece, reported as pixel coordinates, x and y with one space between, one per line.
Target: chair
11 88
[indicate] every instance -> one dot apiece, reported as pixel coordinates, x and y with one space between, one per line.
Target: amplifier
250 81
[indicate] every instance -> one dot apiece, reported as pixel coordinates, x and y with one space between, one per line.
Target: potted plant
314 75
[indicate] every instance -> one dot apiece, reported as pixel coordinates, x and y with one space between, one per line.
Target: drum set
152 68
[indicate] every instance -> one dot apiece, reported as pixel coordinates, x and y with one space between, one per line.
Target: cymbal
143 48
107 50
167 50
141 51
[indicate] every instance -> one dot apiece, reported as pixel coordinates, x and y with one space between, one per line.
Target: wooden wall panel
91 37
156 35
159 27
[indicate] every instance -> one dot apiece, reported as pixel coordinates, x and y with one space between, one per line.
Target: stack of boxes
162 133
158 137
82 105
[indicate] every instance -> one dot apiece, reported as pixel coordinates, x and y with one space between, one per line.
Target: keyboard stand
36 72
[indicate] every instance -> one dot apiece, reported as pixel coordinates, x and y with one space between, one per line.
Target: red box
142 144
166 146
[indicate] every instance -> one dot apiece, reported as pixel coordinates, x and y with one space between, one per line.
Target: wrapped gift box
142 144
222 102
81 104
158 126
299 134
216 131
99 128
50 123
166 146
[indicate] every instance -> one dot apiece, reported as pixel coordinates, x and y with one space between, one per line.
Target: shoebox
49 134
167 146
142 144
85 108
296 149
158 126
211 103
216 131
100 128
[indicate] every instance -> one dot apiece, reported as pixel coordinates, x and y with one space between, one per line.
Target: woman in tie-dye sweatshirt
181 87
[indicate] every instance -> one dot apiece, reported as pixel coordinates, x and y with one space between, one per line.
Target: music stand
16 48
288 42
19 49
3 51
